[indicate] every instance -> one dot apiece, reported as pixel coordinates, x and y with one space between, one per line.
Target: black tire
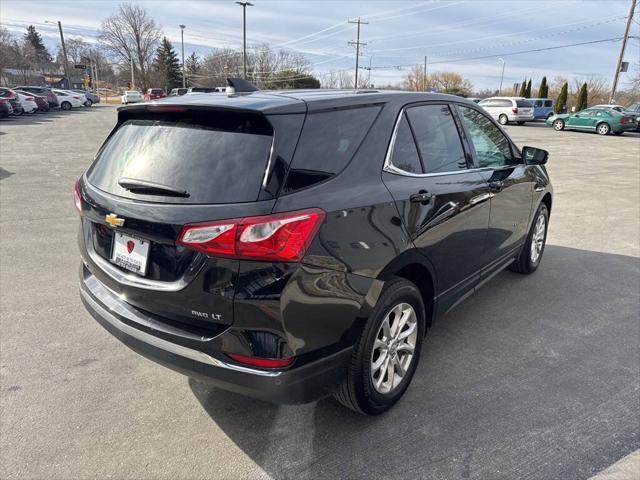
520 123
603 128
618 133
524 263
503 119
357 391
88 103
65 106
558 125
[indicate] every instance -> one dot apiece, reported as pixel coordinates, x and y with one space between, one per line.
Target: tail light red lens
29 99
514 109
623 121
282 237
261 362
77 198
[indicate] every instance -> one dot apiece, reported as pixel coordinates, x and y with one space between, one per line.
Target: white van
509 109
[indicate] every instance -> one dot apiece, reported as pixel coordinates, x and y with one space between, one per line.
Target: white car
131 96
614 106
29 105
508 109
68 100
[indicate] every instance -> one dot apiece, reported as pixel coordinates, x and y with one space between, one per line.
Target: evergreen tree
527 91
561 101
543 91
523 88
192 66
167 65
582 98
33 40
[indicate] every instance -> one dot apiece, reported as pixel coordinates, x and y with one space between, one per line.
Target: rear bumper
298 384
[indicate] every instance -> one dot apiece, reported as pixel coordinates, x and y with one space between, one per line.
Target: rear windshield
214 157
156 90
523 103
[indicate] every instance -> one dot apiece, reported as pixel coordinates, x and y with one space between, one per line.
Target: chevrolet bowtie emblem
113 220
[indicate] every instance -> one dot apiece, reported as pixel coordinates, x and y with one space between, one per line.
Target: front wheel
531 254
503 119
603 129
558 125
387 353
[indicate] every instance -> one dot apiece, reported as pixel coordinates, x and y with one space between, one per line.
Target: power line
614 39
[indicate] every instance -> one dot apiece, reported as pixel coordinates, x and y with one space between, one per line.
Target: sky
452 34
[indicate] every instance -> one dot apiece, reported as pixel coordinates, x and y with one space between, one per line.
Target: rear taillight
29 99
77 198
514 109
281 237
623 121
261 362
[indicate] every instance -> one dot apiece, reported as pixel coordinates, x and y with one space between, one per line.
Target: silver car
508 109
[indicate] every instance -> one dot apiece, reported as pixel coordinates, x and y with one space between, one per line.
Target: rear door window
523 103
405 153
215 157
437 138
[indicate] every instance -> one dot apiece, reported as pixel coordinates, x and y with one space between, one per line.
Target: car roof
298 101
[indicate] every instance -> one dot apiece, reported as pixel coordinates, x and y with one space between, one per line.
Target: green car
594 119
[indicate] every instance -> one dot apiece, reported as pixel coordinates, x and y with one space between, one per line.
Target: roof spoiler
240 85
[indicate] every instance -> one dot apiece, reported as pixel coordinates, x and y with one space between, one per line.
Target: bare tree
446 82
7 43
132 36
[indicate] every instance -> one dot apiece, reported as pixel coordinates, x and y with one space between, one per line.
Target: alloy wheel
393 348
558 125
603 129
537 241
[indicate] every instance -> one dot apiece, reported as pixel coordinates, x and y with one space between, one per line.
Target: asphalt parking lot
532 377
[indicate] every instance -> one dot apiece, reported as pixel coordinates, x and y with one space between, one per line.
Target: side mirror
534 156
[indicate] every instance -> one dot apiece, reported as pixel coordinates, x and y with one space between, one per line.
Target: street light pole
133 83
502 75
64 53
244 6
182 27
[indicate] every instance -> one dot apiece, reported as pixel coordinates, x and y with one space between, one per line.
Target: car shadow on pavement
43 117
531 375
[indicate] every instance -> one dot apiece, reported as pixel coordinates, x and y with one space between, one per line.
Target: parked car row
32 99
602 119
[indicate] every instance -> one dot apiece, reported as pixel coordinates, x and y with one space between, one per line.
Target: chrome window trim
390 168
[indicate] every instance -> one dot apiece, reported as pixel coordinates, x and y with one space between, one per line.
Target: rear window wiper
145 187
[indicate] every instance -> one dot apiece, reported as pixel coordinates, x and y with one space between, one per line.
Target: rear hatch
158 171
525 108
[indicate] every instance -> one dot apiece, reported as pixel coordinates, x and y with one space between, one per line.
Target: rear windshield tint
523 103
156 90
215 157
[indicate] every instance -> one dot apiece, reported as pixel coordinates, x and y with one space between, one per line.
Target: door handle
422 197
495 186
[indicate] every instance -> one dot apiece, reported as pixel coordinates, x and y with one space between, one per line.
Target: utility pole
64 53
244 6
182 27
424 73
622 48
357 43
502 75
133 83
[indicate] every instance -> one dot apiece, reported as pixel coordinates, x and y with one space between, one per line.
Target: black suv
295 244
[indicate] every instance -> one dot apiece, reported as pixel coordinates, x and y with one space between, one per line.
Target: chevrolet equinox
296 244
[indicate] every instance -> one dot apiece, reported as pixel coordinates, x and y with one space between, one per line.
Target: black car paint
316 309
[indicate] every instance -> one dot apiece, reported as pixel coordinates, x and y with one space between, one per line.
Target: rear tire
531 253
603 129
88 103
503 119
520 123
558 125
381 350
618 133
65 106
